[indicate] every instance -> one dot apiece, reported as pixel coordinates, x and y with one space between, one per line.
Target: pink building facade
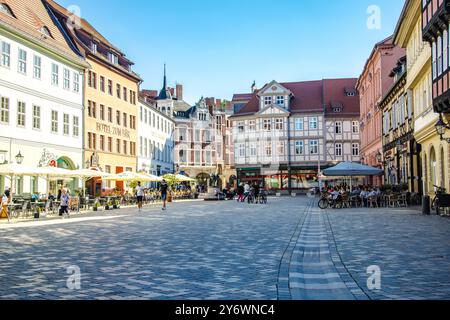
372 85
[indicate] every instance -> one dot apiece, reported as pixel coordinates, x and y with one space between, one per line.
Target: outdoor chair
372 202
346 203
355 201
402 200
24 210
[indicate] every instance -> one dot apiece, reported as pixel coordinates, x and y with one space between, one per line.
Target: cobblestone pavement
411 250
288 249
201 250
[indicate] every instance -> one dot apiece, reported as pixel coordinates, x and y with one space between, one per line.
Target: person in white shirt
140 195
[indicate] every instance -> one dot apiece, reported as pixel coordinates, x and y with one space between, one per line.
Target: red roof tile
314 96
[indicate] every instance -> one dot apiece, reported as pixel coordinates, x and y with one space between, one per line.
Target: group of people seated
363 192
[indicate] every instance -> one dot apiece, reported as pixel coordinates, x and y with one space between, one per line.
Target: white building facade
156 141
288 132
41 96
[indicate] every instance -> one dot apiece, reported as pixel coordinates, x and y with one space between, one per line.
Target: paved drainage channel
314 270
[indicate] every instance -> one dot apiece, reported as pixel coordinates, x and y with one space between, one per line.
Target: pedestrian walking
65 200
6 199
140 195
240 193
164 187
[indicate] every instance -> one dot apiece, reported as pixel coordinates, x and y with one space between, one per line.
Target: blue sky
217 48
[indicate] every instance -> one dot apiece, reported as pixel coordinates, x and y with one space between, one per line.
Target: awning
351 169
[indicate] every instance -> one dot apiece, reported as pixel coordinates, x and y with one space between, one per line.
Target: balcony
435 18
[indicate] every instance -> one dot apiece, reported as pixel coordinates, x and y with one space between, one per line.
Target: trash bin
426 205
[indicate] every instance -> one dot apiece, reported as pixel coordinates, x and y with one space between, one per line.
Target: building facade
195 147
435 31
288 132
401 153
41 93
372 85
111 103
155 144
419 84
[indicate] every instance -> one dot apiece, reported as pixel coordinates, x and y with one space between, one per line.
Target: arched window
4 8
433 169
45 31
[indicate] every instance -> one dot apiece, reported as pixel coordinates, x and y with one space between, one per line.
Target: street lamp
441 127
19 158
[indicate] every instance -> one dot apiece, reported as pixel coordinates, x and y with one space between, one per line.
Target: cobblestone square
288 249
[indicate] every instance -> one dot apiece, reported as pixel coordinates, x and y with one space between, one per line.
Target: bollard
426 205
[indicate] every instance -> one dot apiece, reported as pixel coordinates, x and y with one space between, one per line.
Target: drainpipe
289 154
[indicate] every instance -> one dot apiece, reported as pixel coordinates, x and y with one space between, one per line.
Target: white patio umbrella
87 174
184 178
130 176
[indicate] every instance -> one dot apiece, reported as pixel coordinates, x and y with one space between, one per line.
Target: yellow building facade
110 103
434 154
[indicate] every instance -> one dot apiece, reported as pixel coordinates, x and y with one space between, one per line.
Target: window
355 149
54 121
124 119
45 31
6 54
133 148
21 114
434 55
313 123
102 84
279 124
299 124
252 125
338 149
76 126
110 87
4 111
36 117
110 115
6 9
118 117
66 84
76 82
268 149
280 101
66 124
146 116
94 141
37 67
253 150
445 51
314 147
299 147
125 94
110 142
102 112
267 124
355 126
141 114
267 101
92 109
133 122
55 74
113 58
94 47
118 91
241 128
439 55
338 127
280 148
242 150
102 142
118 145
22 61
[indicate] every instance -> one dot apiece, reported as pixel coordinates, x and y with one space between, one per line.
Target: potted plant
37 213
116 204
109 205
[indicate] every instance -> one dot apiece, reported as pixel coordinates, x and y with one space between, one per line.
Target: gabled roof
31 16
242 97
314 96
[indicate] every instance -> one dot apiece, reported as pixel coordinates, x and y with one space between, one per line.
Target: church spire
165 92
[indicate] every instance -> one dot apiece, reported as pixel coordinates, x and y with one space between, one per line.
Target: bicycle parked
327 201
441 200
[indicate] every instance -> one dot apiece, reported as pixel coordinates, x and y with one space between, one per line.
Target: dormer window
94 47
113 58
337 109
45 31
280 101
4 8
351 94
267 101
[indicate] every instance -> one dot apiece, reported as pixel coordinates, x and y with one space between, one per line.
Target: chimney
179 91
